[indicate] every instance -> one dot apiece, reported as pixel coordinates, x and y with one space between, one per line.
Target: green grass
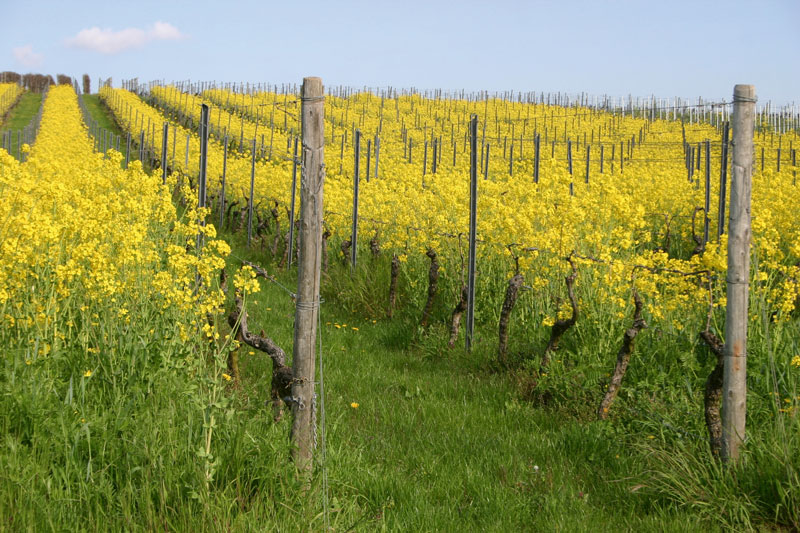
20 115
440 440
98 112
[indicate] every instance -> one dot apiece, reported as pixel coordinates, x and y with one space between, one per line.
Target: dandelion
354 405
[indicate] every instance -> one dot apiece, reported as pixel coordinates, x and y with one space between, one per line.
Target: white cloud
27 57
165 31
107 41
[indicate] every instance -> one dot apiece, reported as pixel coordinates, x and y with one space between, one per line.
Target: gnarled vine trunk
433 285
561 326
623 357
512 292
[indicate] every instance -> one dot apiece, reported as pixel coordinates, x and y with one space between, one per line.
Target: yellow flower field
8 96
629 224
79 234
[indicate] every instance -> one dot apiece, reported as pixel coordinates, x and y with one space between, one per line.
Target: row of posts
780 119
734 386
310 242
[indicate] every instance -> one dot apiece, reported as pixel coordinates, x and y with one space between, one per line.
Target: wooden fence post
308 272
734 397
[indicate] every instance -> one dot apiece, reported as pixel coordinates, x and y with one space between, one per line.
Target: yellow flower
87 374
354 405
796 360
227 377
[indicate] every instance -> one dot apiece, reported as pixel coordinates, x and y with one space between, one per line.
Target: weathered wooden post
312 180
734 397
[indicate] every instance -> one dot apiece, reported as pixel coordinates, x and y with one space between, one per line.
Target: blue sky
615 47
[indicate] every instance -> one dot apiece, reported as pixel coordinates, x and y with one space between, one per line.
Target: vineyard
130 263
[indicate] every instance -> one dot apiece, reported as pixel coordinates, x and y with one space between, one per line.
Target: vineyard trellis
637 146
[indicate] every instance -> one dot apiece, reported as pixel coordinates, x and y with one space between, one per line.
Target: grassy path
424 438
419 438
23 112
20 115
430 440
98 112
